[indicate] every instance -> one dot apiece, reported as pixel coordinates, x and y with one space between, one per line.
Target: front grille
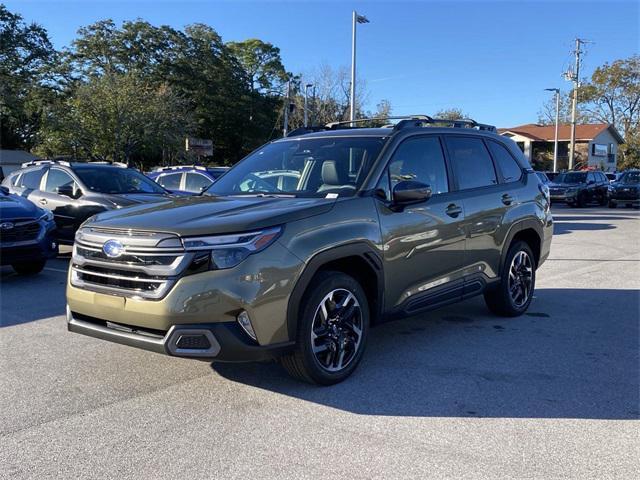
21 232
148 267
626 194
99 255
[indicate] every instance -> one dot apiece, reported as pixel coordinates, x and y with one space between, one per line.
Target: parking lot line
56 269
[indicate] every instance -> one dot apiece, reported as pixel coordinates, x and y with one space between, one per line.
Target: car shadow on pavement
18 291
568 357
562 227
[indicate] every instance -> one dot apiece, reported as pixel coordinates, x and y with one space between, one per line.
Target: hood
129 199
14 206
564 185
205 215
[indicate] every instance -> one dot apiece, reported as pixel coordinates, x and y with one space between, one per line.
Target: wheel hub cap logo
112 248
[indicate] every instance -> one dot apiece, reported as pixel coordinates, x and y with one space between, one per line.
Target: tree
262 63
547 114
26 55
613 96
118 117
451 114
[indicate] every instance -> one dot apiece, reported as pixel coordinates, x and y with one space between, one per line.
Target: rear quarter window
31 179
509 167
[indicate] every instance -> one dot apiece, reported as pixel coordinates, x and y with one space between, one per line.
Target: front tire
612 204
513 295
332 330
29 268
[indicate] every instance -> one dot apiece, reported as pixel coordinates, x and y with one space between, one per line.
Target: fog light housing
245 323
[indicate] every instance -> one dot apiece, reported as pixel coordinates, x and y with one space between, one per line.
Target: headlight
227 251
47 215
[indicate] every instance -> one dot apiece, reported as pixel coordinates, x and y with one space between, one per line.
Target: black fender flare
528 223
354 249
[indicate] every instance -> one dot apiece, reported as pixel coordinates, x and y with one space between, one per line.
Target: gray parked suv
381 223
76 191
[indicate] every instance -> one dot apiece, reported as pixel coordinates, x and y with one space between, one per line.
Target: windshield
572 177
310 167
116 180
630 178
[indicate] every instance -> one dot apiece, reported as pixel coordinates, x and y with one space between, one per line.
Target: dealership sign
200 146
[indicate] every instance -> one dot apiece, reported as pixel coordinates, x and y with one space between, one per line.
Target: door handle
507 199
453 210
42 201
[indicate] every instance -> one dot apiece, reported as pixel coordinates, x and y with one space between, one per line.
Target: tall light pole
352 103
306 100
555 143
285 130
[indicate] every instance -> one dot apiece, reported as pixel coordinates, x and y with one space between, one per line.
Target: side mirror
66 190
408 191
591 182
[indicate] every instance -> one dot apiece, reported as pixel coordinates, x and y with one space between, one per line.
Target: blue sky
492 59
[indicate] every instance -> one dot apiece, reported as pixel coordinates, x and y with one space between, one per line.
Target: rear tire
612 204
581 201
513 294
29 268
332 330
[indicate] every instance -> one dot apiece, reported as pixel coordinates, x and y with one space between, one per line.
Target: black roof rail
463 123
347 123
304 130
32 163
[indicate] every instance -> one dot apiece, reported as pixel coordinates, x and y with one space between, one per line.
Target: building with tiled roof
596 144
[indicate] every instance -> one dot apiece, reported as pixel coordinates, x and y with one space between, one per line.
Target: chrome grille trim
119 277
123 275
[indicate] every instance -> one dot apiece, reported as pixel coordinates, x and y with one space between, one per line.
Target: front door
423 243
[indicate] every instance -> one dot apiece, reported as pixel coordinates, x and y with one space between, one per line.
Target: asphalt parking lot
454 393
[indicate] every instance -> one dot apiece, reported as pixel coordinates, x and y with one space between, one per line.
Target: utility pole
352 101
306 103
285 130
555 143
575 78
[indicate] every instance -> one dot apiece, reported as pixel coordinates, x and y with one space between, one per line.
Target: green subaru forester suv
305 244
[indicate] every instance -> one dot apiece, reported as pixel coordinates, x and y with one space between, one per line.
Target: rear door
423 243
488 197
66 210
170 181
196 182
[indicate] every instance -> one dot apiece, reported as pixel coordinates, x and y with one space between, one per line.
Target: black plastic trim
359 249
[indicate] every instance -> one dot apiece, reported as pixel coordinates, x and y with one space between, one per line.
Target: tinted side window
170 181
420 159
590 177
196 182
510 169
31 179
471 162
14 179
57 178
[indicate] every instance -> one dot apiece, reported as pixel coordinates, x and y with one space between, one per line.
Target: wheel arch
359 260
529 231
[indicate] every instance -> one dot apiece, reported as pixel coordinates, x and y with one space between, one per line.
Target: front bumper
45 246
625 196
260 285
223 342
